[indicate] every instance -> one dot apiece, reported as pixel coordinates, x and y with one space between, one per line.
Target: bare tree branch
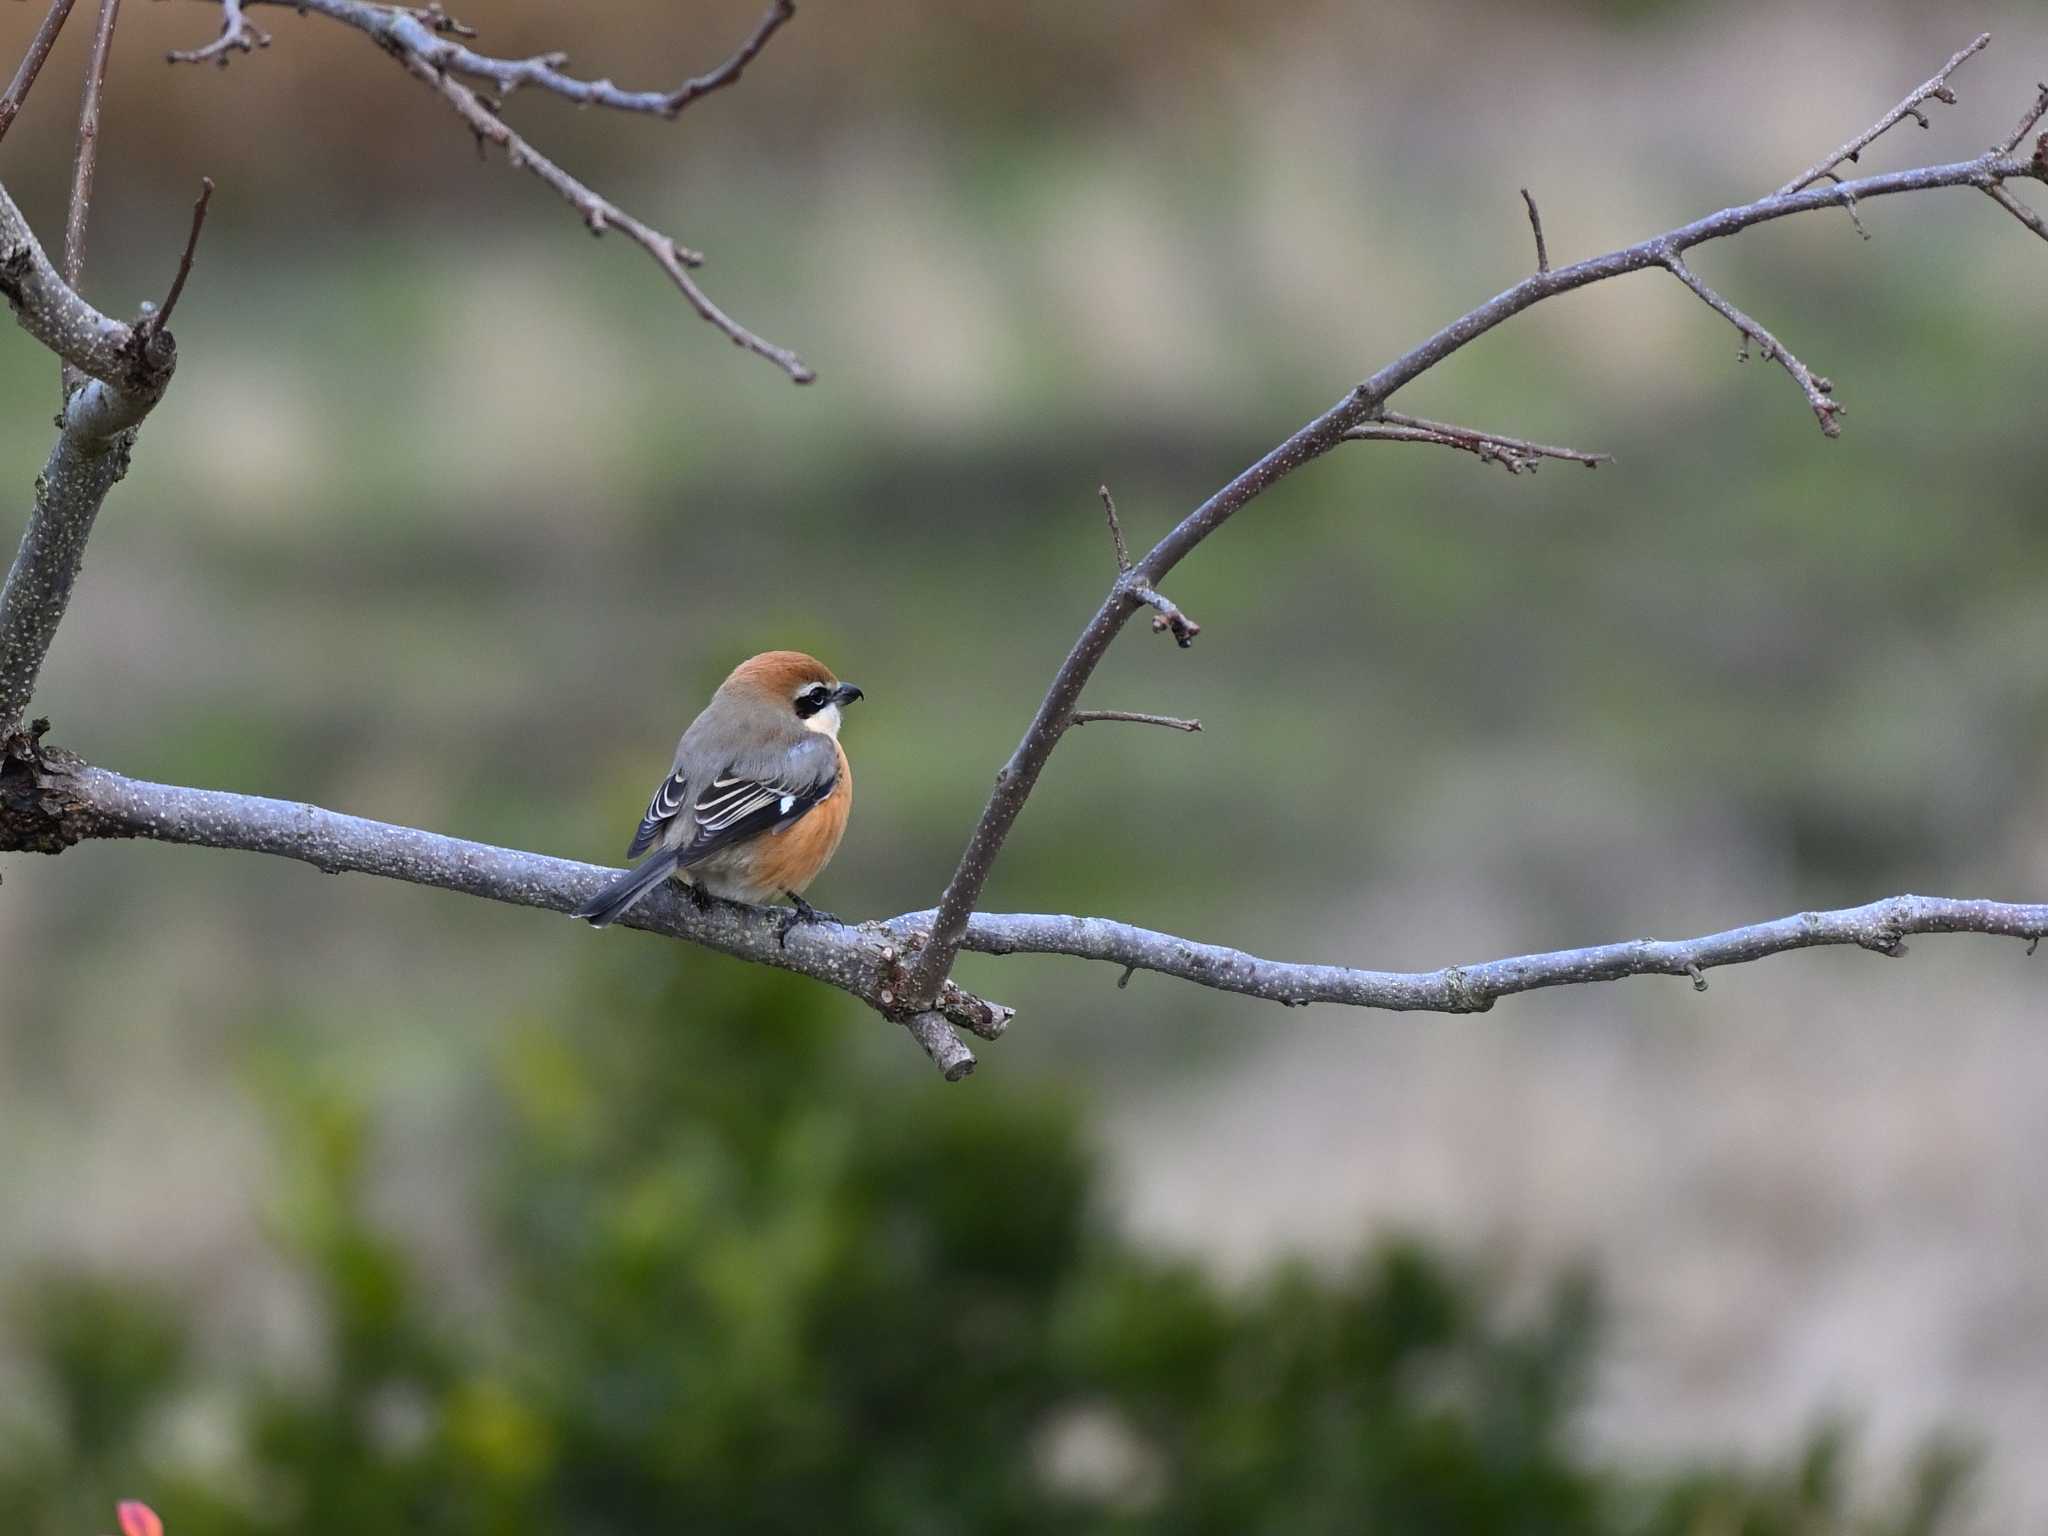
1536 225
1172 722
1514 454
1169 615
900 967
1362 404
50 801
1116 530
2034 113
2018 210
32 62
87 162
127 371
1881 926
88 143
236 32
1935 88
1819 392
418 40
157 319
546 71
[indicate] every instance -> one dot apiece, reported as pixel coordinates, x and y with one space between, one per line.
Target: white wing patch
731 800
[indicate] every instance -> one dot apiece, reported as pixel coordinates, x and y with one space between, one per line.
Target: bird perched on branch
757 800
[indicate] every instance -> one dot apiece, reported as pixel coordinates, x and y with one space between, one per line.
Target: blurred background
338 1205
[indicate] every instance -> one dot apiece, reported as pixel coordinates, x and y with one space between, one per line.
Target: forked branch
1935 88
424 43
1365 407
1516 455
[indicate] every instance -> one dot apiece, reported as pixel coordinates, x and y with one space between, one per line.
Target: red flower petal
138 1519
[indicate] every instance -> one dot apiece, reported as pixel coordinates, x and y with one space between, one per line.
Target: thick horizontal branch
49 801
418 41
1882 926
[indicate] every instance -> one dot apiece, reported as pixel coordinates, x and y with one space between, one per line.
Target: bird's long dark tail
610 904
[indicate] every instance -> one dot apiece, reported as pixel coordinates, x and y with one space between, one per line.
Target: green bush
738 1290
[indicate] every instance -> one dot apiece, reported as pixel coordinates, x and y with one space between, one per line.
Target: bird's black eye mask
811 700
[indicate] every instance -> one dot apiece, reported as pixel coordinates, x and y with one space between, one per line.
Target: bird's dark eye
812 699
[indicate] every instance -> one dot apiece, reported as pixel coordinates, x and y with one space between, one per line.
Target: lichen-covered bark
81 469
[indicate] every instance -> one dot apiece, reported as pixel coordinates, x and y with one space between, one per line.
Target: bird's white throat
825 722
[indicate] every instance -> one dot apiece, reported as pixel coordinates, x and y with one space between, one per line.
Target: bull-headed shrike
759 795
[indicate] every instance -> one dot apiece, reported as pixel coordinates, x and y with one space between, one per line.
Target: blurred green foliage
732 1290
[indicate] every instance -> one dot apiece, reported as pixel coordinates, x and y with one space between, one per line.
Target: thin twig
87 162
548 71
726 73
32 62
1172 722
1935 88
1514 454
1536 224
2034 113
1819 391
88 143
419 40
236 32
1116 531
2018 209
1169 615
162 317
600 214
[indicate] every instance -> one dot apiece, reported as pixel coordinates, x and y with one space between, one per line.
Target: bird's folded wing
736 805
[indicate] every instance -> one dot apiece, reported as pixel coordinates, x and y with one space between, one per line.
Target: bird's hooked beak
845 694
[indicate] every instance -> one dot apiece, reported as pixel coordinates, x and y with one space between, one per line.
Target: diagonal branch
2036 110
127 369
2017 209
1536 227
419 41
50 801
1514 454
32 62
87 163
1360 405
1934 88
1819 392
